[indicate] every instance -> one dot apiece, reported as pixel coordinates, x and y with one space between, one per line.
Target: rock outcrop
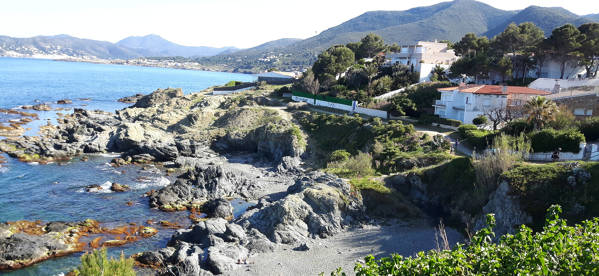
203 183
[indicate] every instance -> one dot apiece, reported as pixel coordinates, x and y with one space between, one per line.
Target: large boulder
157 97
318 205
218 208
509 215
203 183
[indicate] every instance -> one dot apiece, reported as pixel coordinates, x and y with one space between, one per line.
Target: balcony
439 103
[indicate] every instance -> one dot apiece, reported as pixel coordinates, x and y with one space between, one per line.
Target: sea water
56 192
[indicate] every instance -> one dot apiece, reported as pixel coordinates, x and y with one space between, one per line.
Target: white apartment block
424 56
466 102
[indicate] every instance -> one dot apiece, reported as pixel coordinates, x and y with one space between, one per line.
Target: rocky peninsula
248 147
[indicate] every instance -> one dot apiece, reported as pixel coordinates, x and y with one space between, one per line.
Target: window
589 112
579 111
466 100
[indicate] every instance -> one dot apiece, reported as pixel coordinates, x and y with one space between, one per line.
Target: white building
466 102
424 56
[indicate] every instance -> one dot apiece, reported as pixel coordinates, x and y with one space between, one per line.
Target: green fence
323 98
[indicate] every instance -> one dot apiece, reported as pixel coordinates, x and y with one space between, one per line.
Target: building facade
423 57
466 102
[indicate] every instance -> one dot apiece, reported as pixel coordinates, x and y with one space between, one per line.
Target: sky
216 23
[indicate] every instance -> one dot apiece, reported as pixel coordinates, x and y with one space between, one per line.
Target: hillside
62 46
443 21
156 46
594 17
546 18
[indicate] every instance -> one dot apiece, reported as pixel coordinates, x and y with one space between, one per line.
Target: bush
233 83
590 128
515 127
97 264
479 138
558 249
359 165
463 128
480 120
339 156
504 153
429 119
548 140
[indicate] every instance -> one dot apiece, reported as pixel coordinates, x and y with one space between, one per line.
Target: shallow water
56 192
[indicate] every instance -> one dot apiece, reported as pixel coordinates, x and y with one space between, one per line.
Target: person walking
555 155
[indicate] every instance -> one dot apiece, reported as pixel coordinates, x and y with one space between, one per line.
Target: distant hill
442 21
62 45
156 46
545 18
594 17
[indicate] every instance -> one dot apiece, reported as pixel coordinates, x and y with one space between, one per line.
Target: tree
356 77
471 45
98 264
590 48
331 63
564 43
403 105
540 110
504 67
382 85
438 74
370 45
502 115
480 120
402 76
310 83
371 70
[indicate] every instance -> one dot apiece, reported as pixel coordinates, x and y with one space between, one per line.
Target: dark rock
302 247
131 99
203 183
64 101
218 208
158 97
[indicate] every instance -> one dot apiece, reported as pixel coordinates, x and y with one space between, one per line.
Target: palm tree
540 110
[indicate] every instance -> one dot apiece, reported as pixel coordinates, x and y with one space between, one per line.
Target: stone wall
582 106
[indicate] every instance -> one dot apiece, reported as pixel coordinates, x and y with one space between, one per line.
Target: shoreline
127 63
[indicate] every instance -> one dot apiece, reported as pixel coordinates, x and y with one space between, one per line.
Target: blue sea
55 192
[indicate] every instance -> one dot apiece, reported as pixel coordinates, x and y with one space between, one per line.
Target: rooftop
495 90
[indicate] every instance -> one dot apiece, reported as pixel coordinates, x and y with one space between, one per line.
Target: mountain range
442 21
130 47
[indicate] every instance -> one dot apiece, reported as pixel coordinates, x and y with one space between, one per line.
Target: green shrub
98 264
548 140
515 127
366 183
558 249
504 153
429 119
463 128
479 138
359 165
233 83
480 120
339 156
590 128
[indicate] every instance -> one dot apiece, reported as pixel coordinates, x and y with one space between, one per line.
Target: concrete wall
563 156
227 92
583 106
548 84
354 108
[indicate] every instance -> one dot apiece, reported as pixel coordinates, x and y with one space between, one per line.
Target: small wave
108 154
3 169
33 163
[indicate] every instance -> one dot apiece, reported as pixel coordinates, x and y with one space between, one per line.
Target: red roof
495 90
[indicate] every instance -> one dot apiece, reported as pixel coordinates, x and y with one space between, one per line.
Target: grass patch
367 183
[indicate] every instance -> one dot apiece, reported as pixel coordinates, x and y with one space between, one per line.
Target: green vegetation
590 128
573 185
558 249
521 47
233 83
391 146
365 183
548 140
98 264
355 166
416 100
480 120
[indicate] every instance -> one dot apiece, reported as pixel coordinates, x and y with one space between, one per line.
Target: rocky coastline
221 147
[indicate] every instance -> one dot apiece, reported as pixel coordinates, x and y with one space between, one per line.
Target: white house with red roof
466 102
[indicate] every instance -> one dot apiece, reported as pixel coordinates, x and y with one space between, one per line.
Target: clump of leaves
97 263
558 249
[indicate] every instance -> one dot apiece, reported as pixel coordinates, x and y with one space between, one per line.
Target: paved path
432 132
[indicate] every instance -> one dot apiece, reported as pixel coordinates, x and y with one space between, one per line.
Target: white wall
371 112
548 84
563 156
357 109
334 105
